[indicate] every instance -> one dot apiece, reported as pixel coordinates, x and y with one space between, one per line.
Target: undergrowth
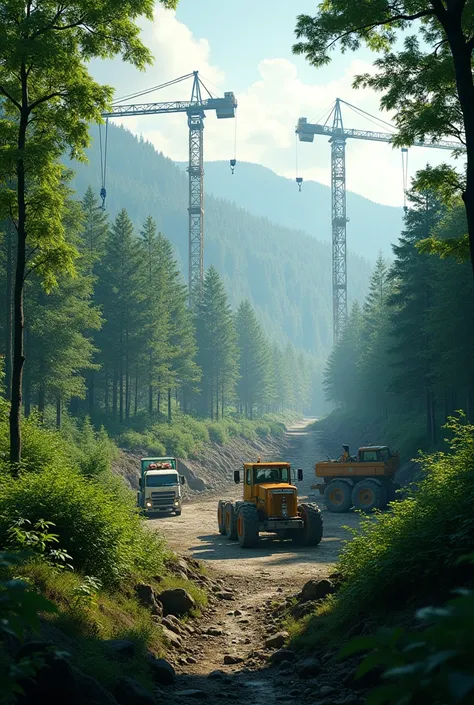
409 555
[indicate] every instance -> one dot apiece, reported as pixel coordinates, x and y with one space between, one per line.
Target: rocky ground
237 650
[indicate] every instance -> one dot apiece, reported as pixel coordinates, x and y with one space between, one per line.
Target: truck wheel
368 495
220 516
337 496
230 520
312 532
247 526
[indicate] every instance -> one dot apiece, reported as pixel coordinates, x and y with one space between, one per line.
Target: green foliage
411 552
430 665
23 536
89 450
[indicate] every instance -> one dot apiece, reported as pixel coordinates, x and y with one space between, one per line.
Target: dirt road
225 656
195 531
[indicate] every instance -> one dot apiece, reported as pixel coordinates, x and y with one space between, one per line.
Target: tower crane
338 135
195 109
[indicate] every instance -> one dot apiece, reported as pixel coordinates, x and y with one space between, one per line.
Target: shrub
90 450
96 521
407 553
262 430
218 432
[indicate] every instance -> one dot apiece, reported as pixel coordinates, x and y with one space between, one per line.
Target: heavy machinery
160 486
365 482
270 505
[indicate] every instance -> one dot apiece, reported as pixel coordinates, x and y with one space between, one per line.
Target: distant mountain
372 227
285 272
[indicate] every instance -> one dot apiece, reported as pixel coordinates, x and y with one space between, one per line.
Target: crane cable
103 162
233 161
404 151
299 179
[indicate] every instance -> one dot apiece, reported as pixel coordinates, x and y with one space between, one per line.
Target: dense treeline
408 350
118 338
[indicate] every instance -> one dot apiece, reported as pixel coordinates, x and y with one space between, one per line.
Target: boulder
277 640
224 595
177 602
326 690
316 590
192 693
216 675
147 598
172 624
214 631
130 692
282 655
308 667
173 638
120 647
162 672
230 660
54 681
90 692
302 609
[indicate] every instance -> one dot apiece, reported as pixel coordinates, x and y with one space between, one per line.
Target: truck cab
160 486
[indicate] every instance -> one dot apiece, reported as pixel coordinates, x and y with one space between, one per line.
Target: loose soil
258 579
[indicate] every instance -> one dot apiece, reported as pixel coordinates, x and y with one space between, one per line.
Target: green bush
218 432
96 521
411 552
430 665
141 443
90 450
262 430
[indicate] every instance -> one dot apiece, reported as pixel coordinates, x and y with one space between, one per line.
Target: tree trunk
58 412
114 392
106 391
170 418
462 58
18 311
41 400
91 393
429 418
8 313
135 409
150 399
158 402
127 380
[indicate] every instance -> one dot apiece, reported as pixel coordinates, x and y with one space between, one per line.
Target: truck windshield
161 480
271 474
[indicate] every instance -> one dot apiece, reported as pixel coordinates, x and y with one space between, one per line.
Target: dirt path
237 627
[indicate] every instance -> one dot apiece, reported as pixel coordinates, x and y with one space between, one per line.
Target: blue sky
245 46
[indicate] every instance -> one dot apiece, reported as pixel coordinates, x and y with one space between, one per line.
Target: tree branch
10 98
380 23
44 99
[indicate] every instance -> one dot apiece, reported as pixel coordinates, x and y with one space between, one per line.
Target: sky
245 46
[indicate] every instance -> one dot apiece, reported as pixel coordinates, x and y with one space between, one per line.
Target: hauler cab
160 486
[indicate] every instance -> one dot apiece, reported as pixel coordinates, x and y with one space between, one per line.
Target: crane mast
195 110
338 135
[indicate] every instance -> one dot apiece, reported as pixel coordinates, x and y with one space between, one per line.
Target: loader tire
230 520
368 495
312 532
338 496
247 526
220 516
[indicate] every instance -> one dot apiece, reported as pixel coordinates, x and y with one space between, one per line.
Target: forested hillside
405 358
285 273
371 227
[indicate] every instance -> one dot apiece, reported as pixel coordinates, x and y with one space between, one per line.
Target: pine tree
217 351
253 360
341 376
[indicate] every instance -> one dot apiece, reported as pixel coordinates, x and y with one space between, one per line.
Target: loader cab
257 474
374 454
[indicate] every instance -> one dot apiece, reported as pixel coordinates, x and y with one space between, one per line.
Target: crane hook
299 181
233 162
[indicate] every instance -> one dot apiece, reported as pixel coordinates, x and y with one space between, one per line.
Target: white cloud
266 117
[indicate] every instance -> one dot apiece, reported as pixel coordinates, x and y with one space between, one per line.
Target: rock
277 640
244 620
237 613
316 590
350 699
129 692
170 624
214 631
230 660
308 667
173 638
215 675
191 660
147 598
282 655
225 595
120 647
90 692
176 602
162 672
326 690
191 693
302 609
54 681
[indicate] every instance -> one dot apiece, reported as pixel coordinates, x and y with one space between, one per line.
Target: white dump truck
160 486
